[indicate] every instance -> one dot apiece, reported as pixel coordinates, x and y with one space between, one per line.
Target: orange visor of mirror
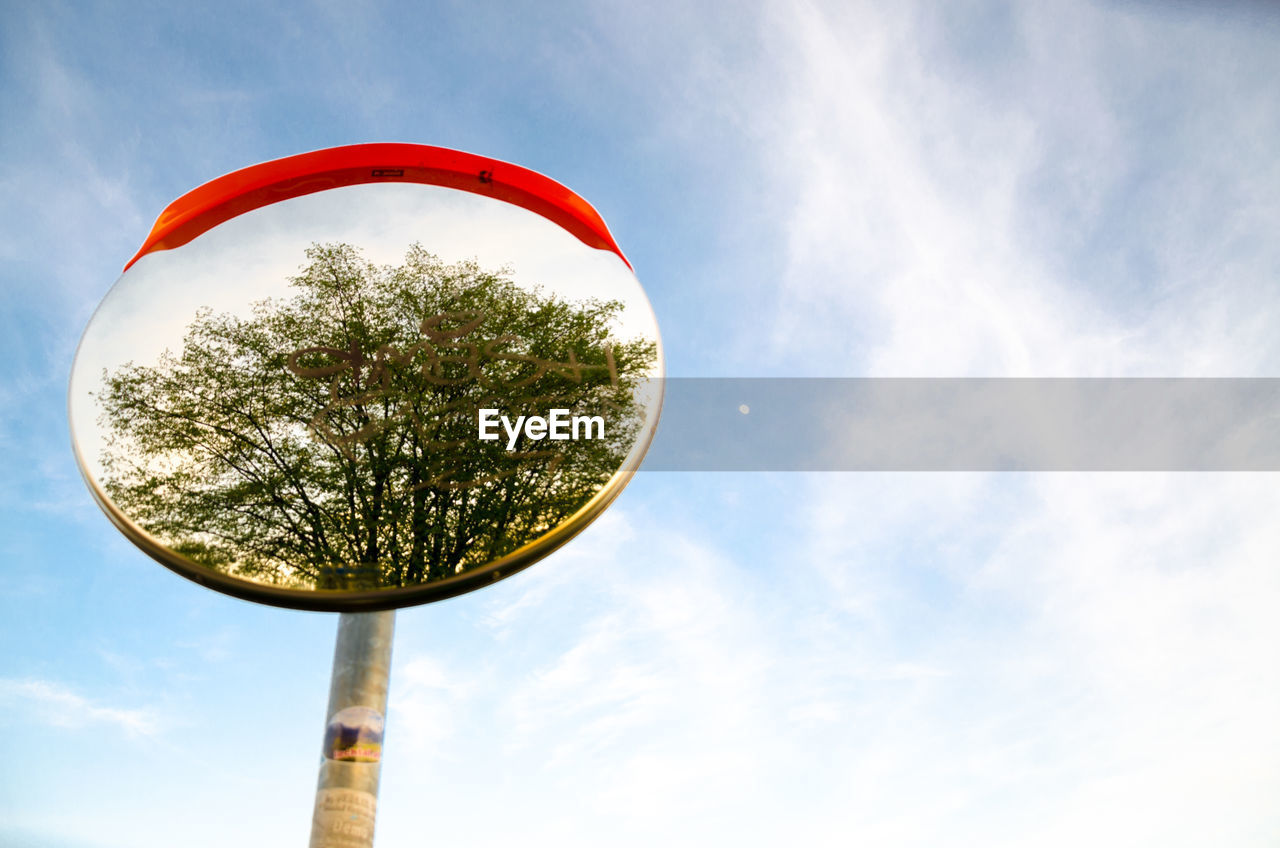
222 199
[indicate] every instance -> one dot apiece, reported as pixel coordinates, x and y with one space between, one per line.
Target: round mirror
365 378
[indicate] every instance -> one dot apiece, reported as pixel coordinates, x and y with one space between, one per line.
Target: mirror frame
233 194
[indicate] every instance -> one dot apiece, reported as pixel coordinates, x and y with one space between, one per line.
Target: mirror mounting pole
347 791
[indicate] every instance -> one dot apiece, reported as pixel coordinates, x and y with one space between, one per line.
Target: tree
329 440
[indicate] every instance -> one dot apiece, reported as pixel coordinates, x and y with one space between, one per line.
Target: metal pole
347 792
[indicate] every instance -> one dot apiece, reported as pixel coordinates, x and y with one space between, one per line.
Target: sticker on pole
366 377
354 735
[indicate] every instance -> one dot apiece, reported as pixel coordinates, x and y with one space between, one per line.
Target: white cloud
1052 659
426 696
978 215
1102 650
52 703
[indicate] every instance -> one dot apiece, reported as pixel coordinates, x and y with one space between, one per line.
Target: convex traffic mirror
366 377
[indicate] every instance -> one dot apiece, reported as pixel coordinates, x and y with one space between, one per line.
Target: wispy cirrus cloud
1064 190
1017 191
53 703
1101 649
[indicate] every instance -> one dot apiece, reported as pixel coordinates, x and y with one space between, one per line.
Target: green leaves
330 440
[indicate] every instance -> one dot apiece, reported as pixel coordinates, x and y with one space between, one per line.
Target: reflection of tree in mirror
330 440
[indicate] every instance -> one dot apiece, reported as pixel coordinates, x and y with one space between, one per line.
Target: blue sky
805 189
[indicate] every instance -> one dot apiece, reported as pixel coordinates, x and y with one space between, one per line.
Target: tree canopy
329 440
